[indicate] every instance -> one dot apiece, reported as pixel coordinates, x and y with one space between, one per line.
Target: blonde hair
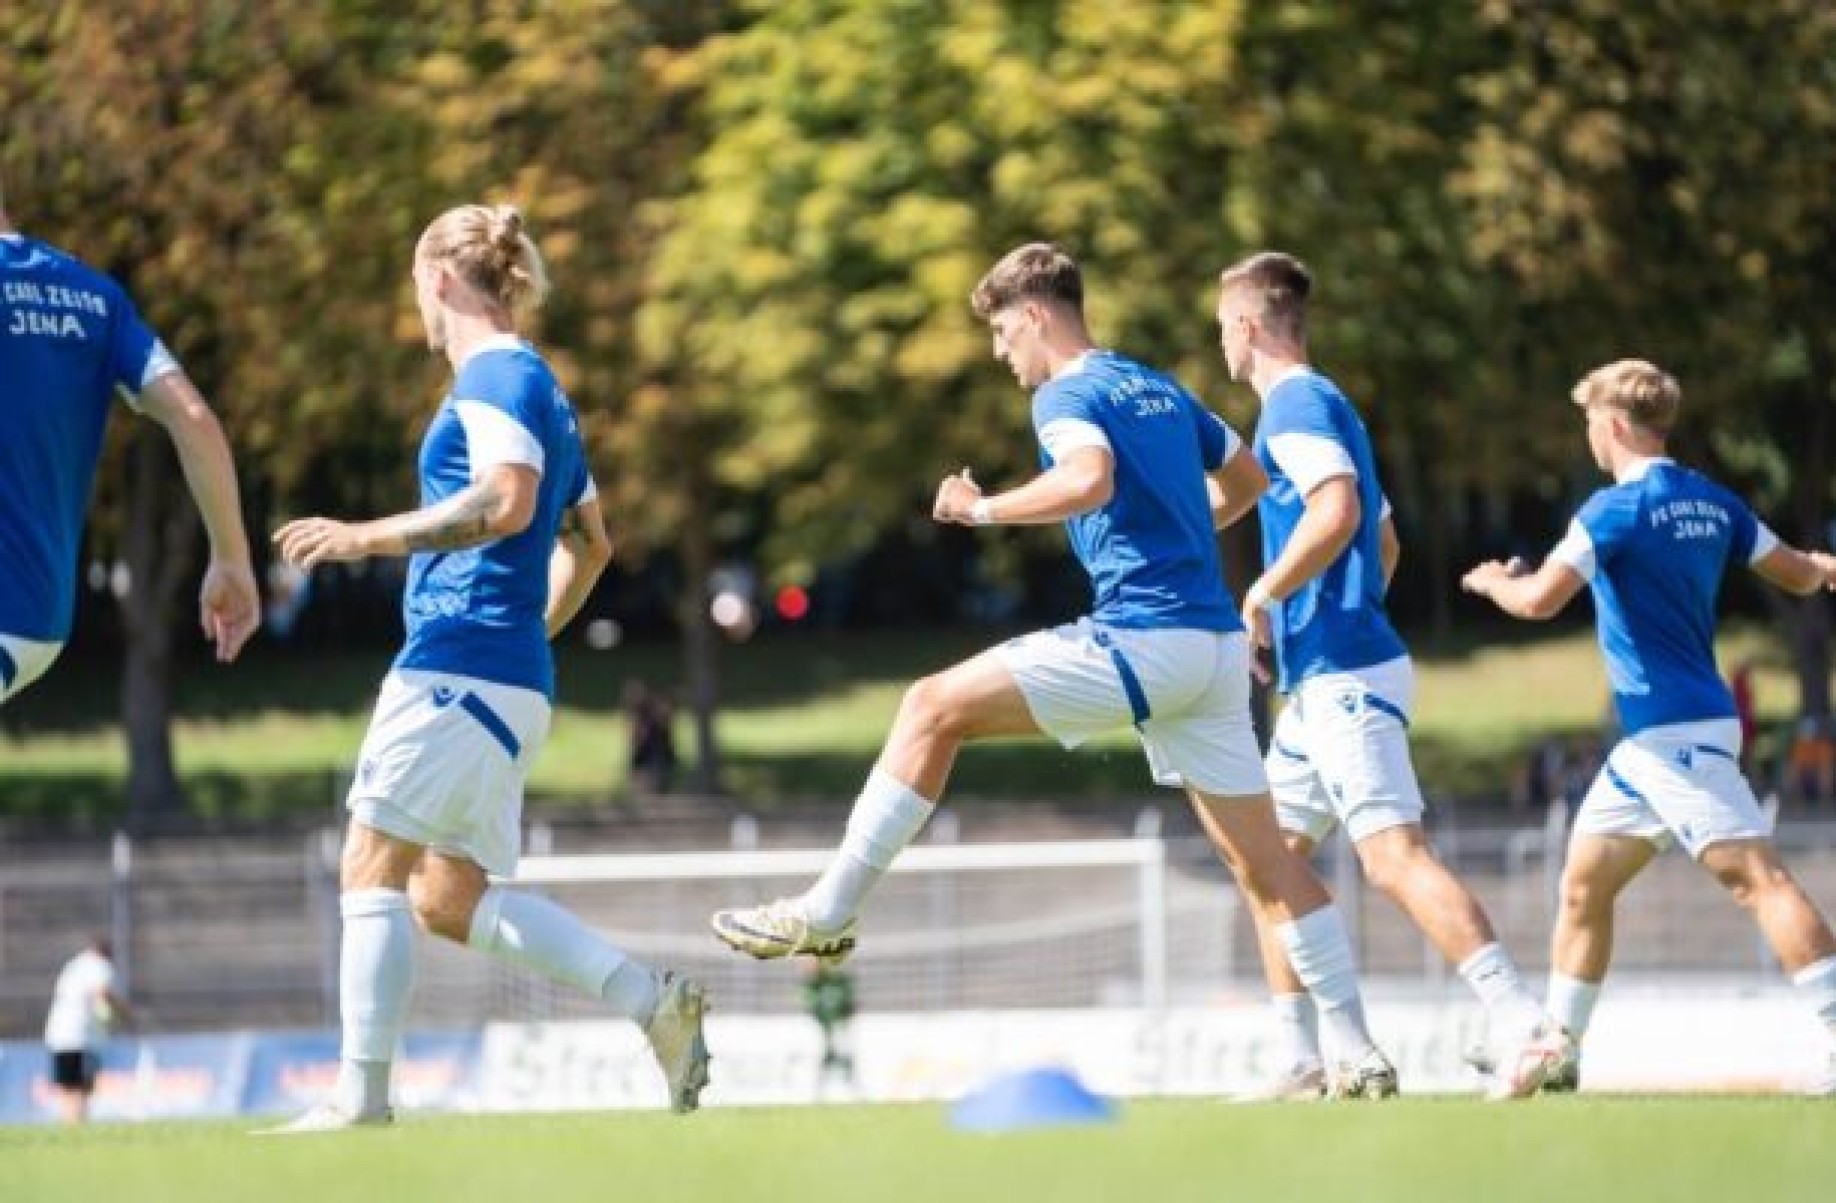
1646 394
1281 283
488 247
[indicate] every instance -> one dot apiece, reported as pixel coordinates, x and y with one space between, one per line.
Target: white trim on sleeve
1061 436
160 362
493 437
1310 460
1233 442
1576 550
1765 542
1384 511
589 492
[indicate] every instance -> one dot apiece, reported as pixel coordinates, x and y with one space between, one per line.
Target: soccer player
1340 750
1141 474
70 339
506 546
1654 546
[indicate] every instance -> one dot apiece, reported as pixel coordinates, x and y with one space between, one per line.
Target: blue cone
1030 1098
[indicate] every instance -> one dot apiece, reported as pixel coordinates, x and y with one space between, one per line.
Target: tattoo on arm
463 520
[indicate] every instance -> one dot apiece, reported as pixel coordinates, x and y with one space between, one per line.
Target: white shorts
1340 753
1185 691
444 762
23 661
1681 781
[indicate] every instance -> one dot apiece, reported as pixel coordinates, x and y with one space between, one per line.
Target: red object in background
793 603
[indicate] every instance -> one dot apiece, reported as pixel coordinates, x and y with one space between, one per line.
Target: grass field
803 715
1418 1151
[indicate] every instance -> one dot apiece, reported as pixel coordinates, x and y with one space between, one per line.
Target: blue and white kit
1163 648
466 706
70 342
1654 547
1340 748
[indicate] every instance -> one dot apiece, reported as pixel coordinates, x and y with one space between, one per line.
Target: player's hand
1256 620
229 607
954 497
1826 564
309 542
1482 578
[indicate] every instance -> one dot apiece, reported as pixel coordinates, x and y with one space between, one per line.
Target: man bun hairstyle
488 246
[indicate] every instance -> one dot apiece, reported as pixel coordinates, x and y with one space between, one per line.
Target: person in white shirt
85 1005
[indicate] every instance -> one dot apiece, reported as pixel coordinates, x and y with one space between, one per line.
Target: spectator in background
84 1006
653 738
828 996
1812 762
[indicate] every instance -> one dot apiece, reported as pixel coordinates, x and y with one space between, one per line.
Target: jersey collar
1637 468
496 342
11 236
1076 363
1295 372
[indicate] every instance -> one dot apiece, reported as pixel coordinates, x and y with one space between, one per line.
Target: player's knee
929 709
1748 880
1583 898
438 913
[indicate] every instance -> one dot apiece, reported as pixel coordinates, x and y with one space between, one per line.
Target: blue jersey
1151 552
1335 622
479 612
1654 547
69 341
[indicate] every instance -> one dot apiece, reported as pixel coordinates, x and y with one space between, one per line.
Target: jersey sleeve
498 406
1218 443
136 355
1752 539
1599 529
1303 440
1065 419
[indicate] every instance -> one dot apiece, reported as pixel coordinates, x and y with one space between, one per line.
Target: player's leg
978 698
1305 814
375 967
1751 871
1288 898
454 898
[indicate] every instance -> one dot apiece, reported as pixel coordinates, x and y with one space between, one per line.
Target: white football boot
780 929
1302 1082
676 1038
1372 1078
329 1117
1547 1057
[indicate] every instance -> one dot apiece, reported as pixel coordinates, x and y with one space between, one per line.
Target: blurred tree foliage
765 218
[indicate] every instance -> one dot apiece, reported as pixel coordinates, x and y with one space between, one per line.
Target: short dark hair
1038 271
1283 284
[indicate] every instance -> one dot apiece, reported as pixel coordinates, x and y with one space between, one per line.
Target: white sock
1818 981
530 931
1297 1030
1321 955
886 817
375 972
1494 978
1571 1002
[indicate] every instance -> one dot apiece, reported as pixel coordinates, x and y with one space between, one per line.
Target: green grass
803 716
1415 1151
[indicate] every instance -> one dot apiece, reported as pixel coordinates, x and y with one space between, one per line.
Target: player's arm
1084 480
582 551
1327 527
1513 588
229 602
1234 488
1799 572
1389 548
498 504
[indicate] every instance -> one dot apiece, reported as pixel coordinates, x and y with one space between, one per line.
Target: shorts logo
1349 703
442 696
1686 758
366 769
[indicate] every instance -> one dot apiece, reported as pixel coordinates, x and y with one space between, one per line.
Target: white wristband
981 512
